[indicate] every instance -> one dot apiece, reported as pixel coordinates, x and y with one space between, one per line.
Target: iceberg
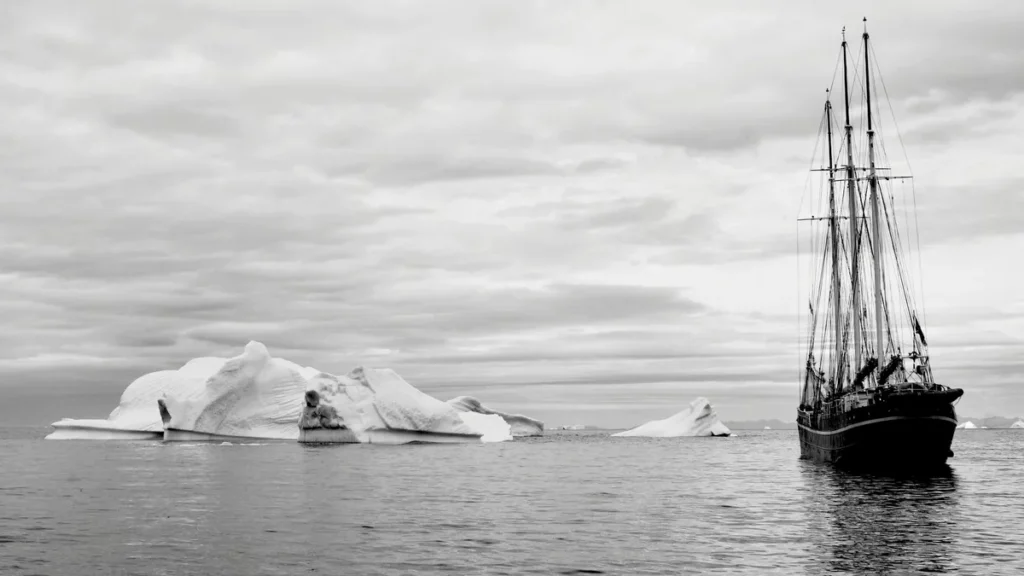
137 416
967 426
698 419
252 395
1018 424
377 406
521 425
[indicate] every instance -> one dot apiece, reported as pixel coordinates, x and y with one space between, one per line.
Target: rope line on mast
913 190
802 377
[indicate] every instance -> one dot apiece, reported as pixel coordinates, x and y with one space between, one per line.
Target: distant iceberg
377 406
137 416
252 396
698 419
521 425
967 426
1017 424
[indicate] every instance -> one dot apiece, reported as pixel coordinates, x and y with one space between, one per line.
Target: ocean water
567 503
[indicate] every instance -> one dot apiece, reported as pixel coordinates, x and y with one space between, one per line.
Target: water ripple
570 503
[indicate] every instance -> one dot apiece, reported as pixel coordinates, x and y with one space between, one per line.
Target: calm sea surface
568 503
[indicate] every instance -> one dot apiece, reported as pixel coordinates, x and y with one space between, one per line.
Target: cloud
578 204
177 119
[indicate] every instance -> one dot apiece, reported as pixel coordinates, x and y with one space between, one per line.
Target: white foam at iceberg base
698 419
377 406
253 395
521 425
136 416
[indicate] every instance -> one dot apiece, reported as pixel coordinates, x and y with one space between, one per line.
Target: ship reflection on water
872 524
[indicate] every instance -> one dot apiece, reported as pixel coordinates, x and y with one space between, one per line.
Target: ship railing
835 403
917 387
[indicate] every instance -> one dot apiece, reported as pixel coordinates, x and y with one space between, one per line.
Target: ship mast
834 233
876 242
854 221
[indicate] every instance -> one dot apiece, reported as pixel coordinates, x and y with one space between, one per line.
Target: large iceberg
252 396
698 419
377 406
521 425
1018 424
137 416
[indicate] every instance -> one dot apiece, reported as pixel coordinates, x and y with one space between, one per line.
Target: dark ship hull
894 428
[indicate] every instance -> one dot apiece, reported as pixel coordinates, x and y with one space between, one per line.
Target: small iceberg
521 425
967 426
767 427
377 406
1018 424
253 395
698 419
136 416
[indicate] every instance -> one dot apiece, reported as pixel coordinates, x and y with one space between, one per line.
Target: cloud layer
580 211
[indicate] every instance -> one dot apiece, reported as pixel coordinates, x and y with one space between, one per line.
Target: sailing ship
869 397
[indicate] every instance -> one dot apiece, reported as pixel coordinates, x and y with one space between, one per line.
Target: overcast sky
581 211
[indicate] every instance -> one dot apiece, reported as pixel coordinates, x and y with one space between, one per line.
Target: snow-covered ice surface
698 419
521 425
137 416
378 406
256 396
493 428
96 429
253 395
